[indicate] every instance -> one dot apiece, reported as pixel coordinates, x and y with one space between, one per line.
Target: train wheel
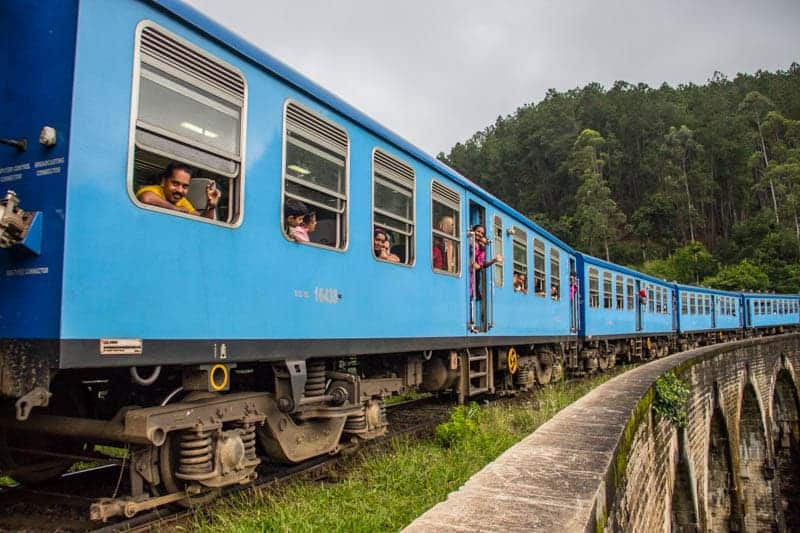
18 448
544 369
169 462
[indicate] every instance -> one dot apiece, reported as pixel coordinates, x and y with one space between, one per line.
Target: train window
446 216
692 304
393 204
315 172
555 274
734 305
684 305
620 295
667 301
539 280
658 300
498 249
607 295
763 305
651 301
707 304
188 108
594 288
520 259
629 293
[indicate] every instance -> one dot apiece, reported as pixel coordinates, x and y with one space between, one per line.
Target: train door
481 286
713 311
640 303
574 294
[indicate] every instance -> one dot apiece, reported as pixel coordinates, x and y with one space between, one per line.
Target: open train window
498 247
763 306
651 301
658 300
734 305
667 300
315 172
620 293
607 288
519 244
188 107
684 305
555 274
629 293
445 218
594 288
393 203
539 280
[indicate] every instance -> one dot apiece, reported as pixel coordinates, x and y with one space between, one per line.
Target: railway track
63 504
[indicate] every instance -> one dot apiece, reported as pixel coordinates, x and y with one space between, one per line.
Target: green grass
386 489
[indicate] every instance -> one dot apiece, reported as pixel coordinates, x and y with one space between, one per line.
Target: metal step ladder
477 373
638 348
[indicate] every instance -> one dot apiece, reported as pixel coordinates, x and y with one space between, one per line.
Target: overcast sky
437 71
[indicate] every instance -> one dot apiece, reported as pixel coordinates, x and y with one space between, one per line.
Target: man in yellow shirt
171 193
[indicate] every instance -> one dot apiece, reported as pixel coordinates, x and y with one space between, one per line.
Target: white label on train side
27 271
46 171
49 162
120 346
17 168
10 177
327 296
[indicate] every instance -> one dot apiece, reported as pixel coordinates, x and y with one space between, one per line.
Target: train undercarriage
188 432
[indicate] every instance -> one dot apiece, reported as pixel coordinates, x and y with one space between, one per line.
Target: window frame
457 229
346 195
237 207
608 290
596 291
412 248
555 273
520 237
497 269
629 294
539 255
619 295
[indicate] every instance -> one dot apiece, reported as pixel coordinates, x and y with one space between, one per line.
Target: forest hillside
695 183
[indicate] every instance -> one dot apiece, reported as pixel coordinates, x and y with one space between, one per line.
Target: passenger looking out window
573 285
445 250
520 283
381 246
295 213
170 192
479 261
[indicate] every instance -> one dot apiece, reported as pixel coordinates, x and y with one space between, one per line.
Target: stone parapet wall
609 462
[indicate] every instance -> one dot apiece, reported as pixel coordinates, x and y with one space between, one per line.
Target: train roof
266 61
622 269
708 290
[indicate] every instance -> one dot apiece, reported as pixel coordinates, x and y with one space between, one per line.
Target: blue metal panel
600 321
37 38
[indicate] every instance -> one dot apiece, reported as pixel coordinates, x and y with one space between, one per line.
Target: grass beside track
385 489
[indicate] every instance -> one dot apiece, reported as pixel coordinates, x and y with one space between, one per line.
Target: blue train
207 255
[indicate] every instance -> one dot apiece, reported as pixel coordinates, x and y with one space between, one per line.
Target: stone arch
683 508
722 503
757 494
786 441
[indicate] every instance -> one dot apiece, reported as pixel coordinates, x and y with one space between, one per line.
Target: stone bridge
609 461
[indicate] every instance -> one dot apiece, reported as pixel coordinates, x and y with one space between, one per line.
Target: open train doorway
480 284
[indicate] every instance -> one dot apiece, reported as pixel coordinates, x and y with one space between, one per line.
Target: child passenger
294 212
309 224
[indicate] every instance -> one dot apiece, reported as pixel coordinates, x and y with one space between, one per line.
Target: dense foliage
699 184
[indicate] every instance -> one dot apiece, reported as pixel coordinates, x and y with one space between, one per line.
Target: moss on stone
626 444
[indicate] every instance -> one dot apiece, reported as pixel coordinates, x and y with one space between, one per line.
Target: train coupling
19 228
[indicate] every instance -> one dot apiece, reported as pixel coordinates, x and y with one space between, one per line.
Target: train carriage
704 314
205 323
626 313
764 313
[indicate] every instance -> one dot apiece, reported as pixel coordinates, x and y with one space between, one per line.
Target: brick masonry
609 462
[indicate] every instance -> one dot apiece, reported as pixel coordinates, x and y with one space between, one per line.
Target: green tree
754 109
746 276
681 149
597 215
